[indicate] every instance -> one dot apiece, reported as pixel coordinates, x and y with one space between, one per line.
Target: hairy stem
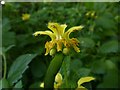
53 69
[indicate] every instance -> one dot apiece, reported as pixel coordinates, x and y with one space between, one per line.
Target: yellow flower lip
60 38
84 80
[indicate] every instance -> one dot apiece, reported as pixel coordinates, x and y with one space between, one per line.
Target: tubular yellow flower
60 38
57 83
25 16
58 79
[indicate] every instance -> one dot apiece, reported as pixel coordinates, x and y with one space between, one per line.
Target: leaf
87 42
65 70
75 64
110 64
106 21
4 83
110 80
8 38
6 24
109 47
18 84
85 79
99 67
18 67
82 72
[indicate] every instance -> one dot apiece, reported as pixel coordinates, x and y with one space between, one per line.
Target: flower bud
52 52
88 14
92 13
66 51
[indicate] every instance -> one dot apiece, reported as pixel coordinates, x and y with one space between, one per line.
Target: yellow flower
57 83
58 80
83 80
59 38
25 16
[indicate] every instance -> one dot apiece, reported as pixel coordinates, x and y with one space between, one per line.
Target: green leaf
99 67
110 80
18 84
110 64
8 38
106 21
65 70
82 72
109 47
75 64
6 24
4 83
18 67
87 42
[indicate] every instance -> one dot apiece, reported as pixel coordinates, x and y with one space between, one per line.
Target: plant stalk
53 69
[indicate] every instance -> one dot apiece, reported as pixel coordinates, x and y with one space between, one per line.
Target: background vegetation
24 53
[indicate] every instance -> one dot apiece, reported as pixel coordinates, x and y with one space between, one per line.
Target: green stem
53 69
5 66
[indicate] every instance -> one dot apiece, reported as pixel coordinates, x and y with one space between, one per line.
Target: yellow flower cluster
91 14
25 16
59 38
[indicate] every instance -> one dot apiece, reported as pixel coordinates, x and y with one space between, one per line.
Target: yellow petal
74 43
76 48
59 45
49 46
54 27
57 29
66 35
85 79
49 33
62 28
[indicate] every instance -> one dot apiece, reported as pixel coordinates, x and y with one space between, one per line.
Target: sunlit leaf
87 42
18 67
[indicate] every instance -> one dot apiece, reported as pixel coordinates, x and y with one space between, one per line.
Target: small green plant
12 77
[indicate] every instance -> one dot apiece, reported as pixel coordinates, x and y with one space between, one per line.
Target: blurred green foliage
99 55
